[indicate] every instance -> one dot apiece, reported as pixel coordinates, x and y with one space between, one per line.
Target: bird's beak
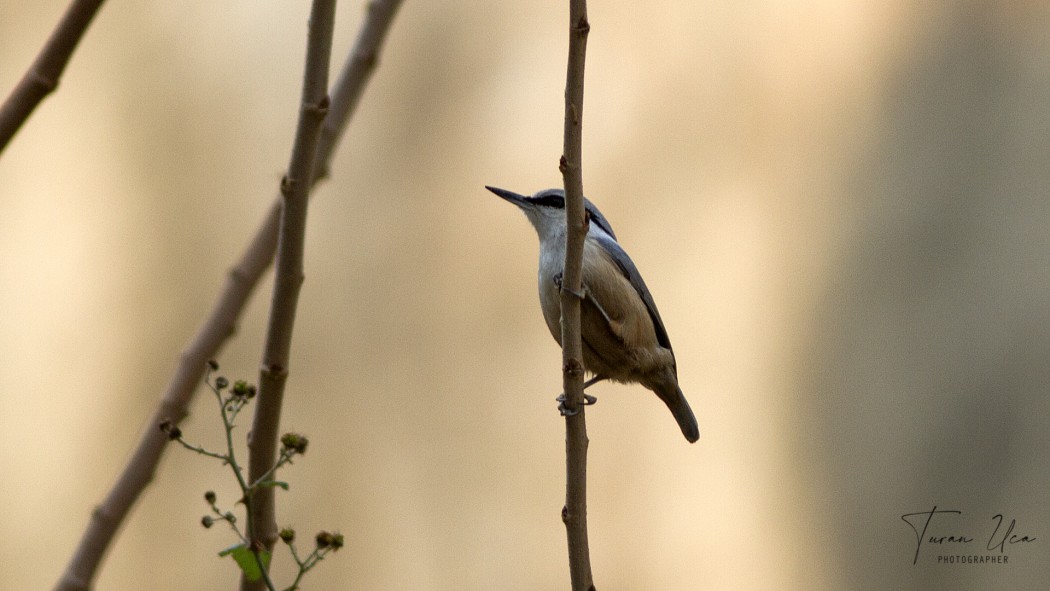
511 196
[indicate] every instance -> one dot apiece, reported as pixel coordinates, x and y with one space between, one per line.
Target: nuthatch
624 339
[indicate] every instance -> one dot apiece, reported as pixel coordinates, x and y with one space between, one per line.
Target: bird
623 337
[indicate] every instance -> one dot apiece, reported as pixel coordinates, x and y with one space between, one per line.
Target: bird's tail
672 396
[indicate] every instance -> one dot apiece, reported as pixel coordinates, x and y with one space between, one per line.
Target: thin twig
288 279
139 471
574 513
223 318
42 77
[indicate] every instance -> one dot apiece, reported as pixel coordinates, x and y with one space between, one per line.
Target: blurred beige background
839 207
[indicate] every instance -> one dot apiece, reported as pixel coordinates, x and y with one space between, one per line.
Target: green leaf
246 560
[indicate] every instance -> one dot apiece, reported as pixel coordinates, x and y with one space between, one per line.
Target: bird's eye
555 201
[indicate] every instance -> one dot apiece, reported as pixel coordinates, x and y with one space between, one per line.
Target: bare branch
42 77
139 471
357 71
220 323
288 279
574 513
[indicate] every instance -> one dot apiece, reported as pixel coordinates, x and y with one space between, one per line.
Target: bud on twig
329 540
173 432
295 442
243 389
287 535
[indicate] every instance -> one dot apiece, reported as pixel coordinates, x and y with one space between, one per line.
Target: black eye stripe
549 201
555 199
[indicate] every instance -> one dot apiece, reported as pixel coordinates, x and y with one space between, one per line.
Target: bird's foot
565 411
558 282
583 294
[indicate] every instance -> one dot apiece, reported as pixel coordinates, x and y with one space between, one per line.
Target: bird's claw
558 282
565 411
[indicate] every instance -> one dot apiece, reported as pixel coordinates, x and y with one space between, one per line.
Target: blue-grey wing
618 254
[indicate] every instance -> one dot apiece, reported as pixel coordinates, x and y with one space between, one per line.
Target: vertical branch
288 278
221 322
42 77
574 514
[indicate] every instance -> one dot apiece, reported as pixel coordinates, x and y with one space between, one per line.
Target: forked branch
223 318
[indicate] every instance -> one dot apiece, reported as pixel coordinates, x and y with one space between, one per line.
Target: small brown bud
337 541
287 535
324 539
167 426
295 442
